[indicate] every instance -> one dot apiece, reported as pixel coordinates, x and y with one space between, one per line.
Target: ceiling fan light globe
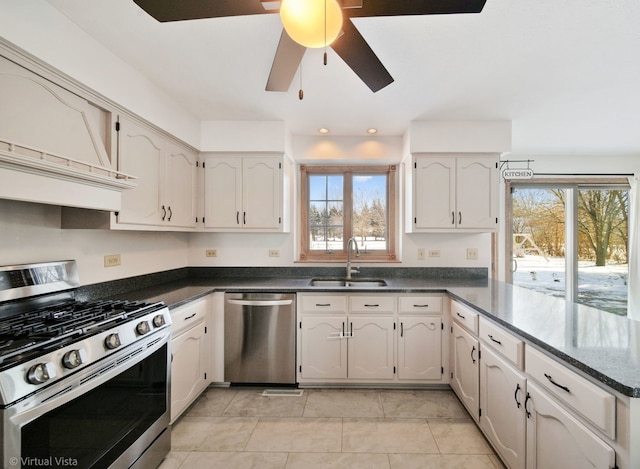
304 21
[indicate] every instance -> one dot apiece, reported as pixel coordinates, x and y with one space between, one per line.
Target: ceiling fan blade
357 54
287 60
177 10
415 7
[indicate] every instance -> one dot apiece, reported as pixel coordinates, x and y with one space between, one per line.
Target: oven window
93 430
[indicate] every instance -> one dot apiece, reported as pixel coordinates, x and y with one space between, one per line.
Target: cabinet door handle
459 218
515 395
164 213
453 218
494 340
526 409
170 213
401 330
564 388
237 217
460 315
244 218
351 331
342 336
473 349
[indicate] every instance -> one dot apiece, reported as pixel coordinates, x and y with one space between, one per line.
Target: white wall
31 233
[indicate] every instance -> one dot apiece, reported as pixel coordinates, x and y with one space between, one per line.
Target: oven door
112 414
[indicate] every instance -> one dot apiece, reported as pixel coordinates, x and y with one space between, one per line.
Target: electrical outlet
420 254
434 252
211 253
472 254
111 260
274 253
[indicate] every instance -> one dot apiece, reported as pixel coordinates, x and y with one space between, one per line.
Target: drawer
187 316
323 303
592 402
465 316
372 304
420 304
511 347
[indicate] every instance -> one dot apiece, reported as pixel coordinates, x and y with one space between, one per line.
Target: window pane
326 212
602 249
370 211
539 240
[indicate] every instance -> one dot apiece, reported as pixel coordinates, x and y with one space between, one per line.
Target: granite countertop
603 345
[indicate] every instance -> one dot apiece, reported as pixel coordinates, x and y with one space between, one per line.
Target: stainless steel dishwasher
260 338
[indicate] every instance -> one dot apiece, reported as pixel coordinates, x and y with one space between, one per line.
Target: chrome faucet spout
352 270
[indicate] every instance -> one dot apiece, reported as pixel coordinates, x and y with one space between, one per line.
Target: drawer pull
371 306
473 349
526 409
515 395
564 388
495 340
460 315
189 317
323 304
420 306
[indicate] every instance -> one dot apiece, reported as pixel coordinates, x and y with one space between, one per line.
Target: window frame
348 171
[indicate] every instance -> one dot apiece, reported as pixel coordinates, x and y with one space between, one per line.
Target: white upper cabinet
246 192
453 193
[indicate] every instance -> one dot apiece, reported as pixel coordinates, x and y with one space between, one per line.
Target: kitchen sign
524 173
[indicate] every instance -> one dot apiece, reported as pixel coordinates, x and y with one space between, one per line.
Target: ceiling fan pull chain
300 92
325 32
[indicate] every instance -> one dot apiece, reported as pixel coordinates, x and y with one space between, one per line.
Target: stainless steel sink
353 282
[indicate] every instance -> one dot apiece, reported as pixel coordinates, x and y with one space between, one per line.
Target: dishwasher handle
259 302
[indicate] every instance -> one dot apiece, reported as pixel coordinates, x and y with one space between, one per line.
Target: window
570 239
340 202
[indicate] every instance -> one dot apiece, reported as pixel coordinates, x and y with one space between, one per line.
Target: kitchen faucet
350 270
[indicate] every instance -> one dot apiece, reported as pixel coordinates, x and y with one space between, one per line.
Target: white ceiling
565 72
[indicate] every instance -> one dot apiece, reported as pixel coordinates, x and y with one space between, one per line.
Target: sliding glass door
570 240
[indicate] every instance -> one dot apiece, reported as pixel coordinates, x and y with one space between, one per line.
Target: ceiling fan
350 45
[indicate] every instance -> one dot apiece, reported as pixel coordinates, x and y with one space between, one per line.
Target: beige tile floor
337 428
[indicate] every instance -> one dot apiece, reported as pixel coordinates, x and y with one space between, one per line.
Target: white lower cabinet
420 348
360 338
190 351
503 419
465 368
557 440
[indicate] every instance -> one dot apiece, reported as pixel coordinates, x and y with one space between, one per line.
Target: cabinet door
180 186
371 346
223 192
420 348
556 440
502 394
476 192
465 369
140 153
261 192
434 192
323 348
188 368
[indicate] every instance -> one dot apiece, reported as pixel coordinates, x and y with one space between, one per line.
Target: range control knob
158 321
73 358
143 327
112 341
41 373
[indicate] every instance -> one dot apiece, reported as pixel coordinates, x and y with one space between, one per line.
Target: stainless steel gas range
82 384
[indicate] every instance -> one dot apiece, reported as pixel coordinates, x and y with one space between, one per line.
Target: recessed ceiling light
372 131
323 130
